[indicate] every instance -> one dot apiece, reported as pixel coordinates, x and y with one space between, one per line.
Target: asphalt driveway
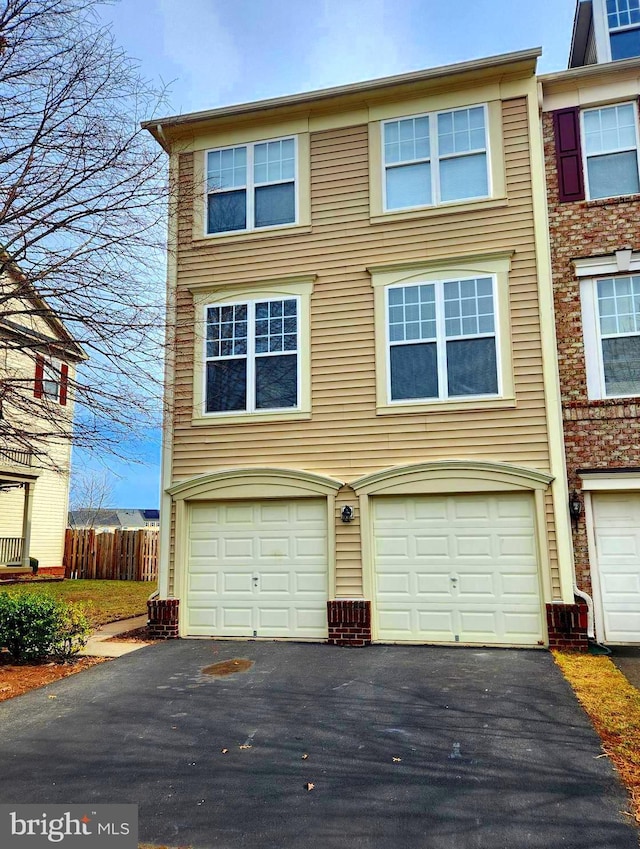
432 748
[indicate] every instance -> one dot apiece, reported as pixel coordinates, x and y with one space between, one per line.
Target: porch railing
10 550
16 456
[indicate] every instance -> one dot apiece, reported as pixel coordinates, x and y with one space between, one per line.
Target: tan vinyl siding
348 552
345 438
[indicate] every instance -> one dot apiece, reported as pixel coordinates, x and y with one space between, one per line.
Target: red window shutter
64 383
566 125
37 386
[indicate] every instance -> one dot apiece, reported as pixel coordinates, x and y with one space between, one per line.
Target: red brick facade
163 618
598 434
349 622
567 626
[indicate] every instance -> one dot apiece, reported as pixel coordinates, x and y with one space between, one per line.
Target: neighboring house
365 439
38 358
104 519
593 176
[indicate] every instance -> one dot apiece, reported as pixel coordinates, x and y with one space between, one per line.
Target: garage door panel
236 582
310 583
472 546
476 585
269 562
275 583
617 535
433 583
467 573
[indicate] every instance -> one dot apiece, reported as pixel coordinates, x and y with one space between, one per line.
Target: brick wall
567 626
349 622
598 434
163 617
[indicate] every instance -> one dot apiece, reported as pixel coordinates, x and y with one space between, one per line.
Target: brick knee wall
567 626
163 618
349 622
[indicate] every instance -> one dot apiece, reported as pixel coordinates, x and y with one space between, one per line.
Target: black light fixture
347 513
575 506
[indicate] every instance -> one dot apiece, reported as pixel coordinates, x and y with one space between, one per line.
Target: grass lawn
105 601
613 706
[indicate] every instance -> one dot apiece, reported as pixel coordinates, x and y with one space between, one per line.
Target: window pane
226 169
621 358
227 211
613 175
275 205
226 385
409 185
471 367
414 371
276 382
626 44
464 177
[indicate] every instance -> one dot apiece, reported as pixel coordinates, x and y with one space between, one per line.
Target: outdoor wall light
575 506
347 514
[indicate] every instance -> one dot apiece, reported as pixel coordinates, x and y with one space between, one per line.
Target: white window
442 340
611 150
251 186
611 320
51 380
623 19
251 356
436 158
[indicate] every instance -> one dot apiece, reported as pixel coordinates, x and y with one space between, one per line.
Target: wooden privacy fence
117 556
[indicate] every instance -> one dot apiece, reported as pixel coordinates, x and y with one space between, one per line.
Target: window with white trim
436 158
252 356
611 317
442 340
611 150
623 19
251 186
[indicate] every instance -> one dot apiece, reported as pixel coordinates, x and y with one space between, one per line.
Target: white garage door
457 569
617 534
258 569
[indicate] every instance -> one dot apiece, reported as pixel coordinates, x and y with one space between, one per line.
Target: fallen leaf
224 751
52 697
397 760
304 757
309 785
244 746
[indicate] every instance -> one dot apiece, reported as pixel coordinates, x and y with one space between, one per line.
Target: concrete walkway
98 645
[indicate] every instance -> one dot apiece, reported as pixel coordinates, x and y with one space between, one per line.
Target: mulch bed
16 679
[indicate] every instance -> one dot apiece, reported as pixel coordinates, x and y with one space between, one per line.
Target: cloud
203 51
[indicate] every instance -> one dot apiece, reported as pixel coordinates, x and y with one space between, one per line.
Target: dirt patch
137 635
228 667
16 680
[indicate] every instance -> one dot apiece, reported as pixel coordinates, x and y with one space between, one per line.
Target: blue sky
215 52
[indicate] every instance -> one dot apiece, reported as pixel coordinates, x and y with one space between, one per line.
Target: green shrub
35 625
73 629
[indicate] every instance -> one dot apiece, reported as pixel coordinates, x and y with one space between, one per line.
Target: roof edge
155 126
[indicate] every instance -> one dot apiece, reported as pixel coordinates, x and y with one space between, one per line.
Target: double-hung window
611 150
437 158
51 380
442 340
611 316
252 356
623 19
251 186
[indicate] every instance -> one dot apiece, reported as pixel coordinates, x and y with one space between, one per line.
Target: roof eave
158 126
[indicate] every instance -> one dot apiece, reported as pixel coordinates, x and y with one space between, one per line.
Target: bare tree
82 208
91 493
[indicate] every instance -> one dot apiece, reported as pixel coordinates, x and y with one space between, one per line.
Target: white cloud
203 51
